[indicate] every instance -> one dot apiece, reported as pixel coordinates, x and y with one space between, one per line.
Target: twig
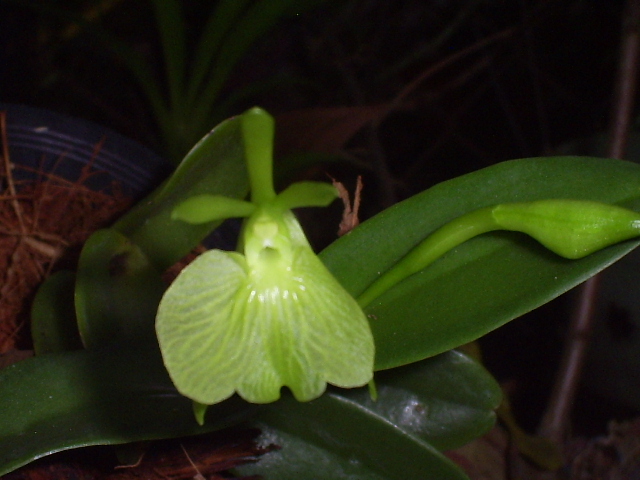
198 475
625 93
413 85
555 421
350 218
15 256
22 236
7 169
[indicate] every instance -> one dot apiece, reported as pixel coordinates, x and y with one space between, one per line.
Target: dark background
545 81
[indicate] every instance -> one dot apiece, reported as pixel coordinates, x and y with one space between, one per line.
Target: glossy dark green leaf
214 166
437 404
378 452
487 281
56 402
447 400
53 319
61 401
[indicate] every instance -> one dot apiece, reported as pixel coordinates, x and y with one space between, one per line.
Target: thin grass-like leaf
256 22
221 20
170 22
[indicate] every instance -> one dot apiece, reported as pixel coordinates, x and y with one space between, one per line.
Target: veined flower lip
297 326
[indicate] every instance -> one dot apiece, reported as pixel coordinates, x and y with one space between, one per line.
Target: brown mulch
43 223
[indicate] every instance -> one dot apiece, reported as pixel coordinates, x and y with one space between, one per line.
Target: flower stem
433 247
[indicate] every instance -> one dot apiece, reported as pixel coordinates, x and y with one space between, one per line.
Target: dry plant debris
350 218
43 221
207 457
615 456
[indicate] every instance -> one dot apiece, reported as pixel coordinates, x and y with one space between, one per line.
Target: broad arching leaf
214 166
488 280
434 405
116 395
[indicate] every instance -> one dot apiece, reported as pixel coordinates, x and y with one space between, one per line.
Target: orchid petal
226 326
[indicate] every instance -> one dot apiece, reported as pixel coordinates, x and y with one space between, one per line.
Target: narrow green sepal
306 194
258 129
430 249
199 411
208 208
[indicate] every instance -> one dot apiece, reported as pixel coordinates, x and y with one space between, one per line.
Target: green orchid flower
270 315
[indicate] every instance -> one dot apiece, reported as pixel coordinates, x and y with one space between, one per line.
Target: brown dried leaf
350 214
14 356
323 130
485 458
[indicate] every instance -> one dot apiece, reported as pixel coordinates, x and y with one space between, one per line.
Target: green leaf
364 451
117 291
215 166
257 20
56 402
222 19
486 281
118 286
121 395
437 404
171 26
53 319
447 400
